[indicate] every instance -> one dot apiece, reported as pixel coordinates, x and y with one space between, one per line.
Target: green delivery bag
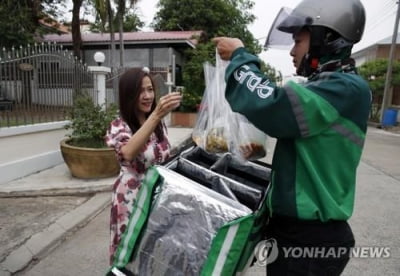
191 219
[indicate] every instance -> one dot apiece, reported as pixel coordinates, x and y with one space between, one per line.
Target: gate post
99 77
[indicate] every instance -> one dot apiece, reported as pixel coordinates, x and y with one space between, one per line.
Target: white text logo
266 252
253 82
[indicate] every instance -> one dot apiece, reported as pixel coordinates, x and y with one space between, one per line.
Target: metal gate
38 82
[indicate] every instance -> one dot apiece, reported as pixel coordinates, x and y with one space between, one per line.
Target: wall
384 52
134 57
30 149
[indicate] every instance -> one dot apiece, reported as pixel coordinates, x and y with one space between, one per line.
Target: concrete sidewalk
56 203
58 180
375 221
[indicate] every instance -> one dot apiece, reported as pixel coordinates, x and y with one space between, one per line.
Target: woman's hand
226 46
167 103
135 144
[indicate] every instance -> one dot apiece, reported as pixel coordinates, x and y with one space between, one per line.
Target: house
151 49
52 26
380 49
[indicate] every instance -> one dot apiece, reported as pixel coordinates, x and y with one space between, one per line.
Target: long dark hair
130 85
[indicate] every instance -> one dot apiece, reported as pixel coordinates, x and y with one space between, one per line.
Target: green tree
214 18
20 20
105 12
131 23
17 28
121 12
193 75
120 17
374 72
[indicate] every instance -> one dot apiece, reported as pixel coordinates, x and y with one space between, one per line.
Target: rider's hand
226 46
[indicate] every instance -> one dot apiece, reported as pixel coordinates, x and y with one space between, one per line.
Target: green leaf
89 121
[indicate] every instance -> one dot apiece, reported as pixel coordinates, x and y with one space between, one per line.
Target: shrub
89 122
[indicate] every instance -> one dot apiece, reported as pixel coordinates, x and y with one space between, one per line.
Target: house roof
385 41
388 40
52 24
188 37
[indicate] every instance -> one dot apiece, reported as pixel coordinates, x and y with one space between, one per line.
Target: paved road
38 211
375 221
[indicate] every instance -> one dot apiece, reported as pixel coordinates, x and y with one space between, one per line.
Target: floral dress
132 172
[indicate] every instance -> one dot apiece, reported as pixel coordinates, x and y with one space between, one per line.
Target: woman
139 138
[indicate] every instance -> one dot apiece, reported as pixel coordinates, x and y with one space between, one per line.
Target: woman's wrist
154 117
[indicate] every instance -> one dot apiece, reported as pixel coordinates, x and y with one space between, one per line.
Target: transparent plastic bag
212 129
251 142
218 129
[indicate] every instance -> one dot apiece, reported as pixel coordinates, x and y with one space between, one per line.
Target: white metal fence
38 83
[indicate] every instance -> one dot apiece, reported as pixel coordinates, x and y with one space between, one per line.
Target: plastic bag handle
217 67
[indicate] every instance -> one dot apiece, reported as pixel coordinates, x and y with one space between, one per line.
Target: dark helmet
333 25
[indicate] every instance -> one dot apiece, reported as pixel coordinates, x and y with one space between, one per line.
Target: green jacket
320 128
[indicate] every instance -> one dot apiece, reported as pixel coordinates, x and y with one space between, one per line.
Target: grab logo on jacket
254 83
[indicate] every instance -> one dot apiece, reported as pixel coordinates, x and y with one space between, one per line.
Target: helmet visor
277 37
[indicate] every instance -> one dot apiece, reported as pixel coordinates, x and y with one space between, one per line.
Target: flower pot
89 163
183 119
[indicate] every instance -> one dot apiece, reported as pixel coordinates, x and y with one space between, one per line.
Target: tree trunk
34 6
112 34
121 40
76 28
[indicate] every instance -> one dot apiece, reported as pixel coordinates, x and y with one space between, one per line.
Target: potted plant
84 151
186 114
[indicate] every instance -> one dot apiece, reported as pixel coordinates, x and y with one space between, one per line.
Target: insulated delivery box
197 214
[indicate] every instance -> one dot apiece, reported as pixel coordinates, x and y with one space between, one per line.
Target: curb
56 181
44 185
83 190
42 243
27 166
38 245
